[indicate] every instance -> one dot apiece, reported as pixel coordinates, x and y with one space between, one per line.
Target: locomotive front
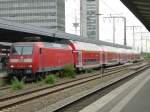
20 59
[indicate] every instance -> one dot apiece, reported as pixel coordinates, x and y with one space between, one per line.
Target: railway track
78 104
16 99
121 66
107 70
79 101
4 88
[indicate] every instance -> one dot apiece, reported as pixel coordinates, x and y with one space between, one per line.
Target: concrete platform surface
133 96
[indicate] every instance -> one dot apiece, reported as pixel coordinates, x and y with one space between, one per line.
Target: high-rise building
89 19
42 13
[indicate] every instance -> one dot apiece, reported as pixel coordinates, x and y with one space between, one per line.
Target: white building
42 13
89 19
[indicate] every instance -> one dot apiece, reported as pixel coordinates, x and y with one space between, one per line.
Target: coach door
79 58
40 61
104 56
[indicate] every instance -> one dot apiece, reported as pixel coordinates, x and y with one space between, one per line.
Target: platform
133 96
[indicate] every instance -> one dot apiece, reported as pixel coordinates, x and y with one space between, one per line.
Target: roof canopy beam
144 8
140 2
141 9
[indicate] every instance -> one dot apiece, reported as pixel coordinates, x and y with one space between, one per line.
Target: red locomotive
32 58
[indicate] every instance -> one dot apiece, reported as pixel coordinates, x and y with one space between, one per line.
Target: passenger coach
86 55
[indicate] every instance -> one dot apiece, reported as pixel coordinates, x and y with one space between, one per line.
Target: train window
27 50
91 61
16 50
22 50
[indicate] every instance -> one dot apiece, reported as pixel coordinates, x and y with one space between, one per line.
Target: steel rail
13 100
28 96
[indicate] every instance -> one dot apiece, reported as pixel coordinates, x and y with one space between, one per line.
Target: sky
107 8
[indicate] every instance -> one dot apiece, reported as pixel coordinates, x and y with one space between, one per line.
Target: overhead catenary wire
108 6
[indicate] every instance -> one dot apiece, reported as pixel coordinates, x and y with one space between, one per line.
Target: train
33 58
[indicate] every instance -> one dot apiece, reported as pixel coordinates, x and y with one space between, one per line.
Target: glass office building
89 19
42 13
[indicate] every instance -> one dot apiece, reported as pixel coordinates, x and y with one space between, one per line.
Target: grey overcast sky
106 7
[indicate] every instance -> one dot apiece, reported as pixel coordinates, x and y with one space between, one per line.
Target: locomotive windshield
22 50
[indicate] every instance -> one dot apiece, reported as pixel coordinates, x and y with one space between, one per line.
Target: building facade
42 13
89 23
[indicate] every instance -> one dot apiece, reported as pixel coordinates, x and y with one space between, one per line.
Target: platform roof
5 43
141 9
13 32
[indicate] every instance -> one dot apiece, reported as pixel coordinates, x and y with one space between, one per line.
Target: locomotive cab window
22 50
16 50
27 50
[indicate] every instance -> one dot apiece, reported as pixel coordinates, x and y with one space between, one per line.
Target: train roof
44 44
85 46
25 42
110 49
56 45
5 44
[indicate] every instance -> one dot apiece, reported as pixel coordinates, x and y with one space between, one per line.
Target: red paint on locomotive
37 57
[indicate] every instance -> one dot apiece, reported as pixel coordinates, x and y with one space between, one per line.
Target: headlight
11 66
30 66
